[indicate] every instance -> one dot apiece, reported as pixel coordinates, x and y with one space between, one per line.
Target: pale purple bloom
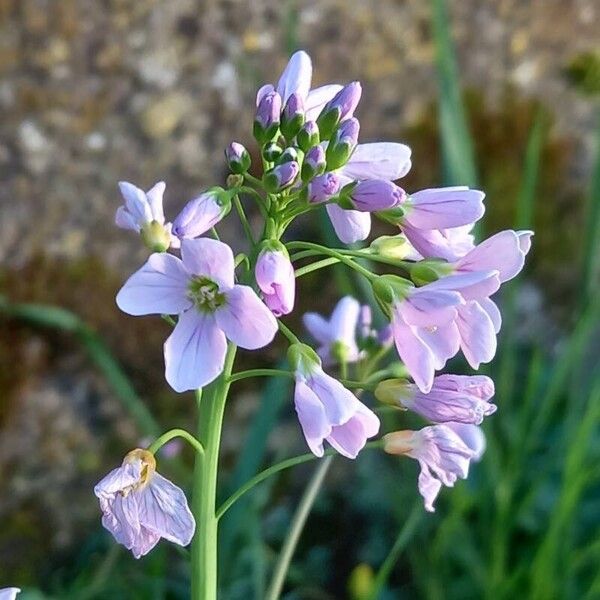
323 187
200 288
425 322
472 436
336 335
281 176
9 593
329 412
372 195
139 506
443 208
441 453
275 277
459 398
268 110
143 213
201 214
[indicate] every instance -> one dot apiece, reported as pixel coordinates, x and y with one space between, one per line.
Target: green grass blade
457 146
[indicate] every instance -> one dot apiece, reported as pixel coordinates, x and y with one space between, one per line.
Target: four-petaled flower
212 308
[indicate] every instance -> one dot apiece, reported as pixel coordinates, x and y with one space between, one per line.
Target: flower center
205 295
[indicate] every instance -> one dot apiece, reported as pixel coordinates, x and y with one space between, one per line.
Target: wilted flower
442 455
275 277
336 336
143 213
200 288
202 213
139 506
326 409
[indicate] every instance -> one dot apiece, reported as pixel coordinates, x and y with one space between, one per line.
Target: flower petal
426 308
136 202
318 98
339 403
124 219
210 258
263 91
296 77
164 510
444 208
477 334
493 311
350 225
159 287
429 487
415 354
118 479
379 160
312 417
501 252
318 327
194 352
155 200
350 438
344 319
443 342
245 320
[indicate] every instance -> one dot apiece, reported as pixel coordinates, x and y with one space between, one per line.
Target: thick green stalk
204 545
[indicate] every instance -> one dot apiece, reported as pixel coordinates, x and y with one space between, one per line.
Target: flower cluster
435 296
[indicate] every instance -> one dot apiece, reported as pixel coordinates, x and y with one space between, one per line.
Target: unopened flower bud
323 187
391 246
238 158
292 118
342 144
372 195
275 277
339 108
288 155
281 176
266 120
429 270
314 163
308 136
155 236
272 151
202 213
393 391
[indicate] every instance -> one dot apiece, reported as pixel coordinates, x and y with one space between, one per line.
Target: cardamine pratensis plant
436 297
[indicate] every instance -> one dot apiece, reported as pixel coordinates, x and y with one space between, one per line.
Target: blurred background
501 94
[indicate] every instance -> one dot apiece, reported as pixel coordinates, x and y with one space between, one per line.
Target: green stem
244 220
365 254
253 179
257 197
260 373
204 545
335 253
293 534
392 558
319 264
172 434
289 334
281 466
